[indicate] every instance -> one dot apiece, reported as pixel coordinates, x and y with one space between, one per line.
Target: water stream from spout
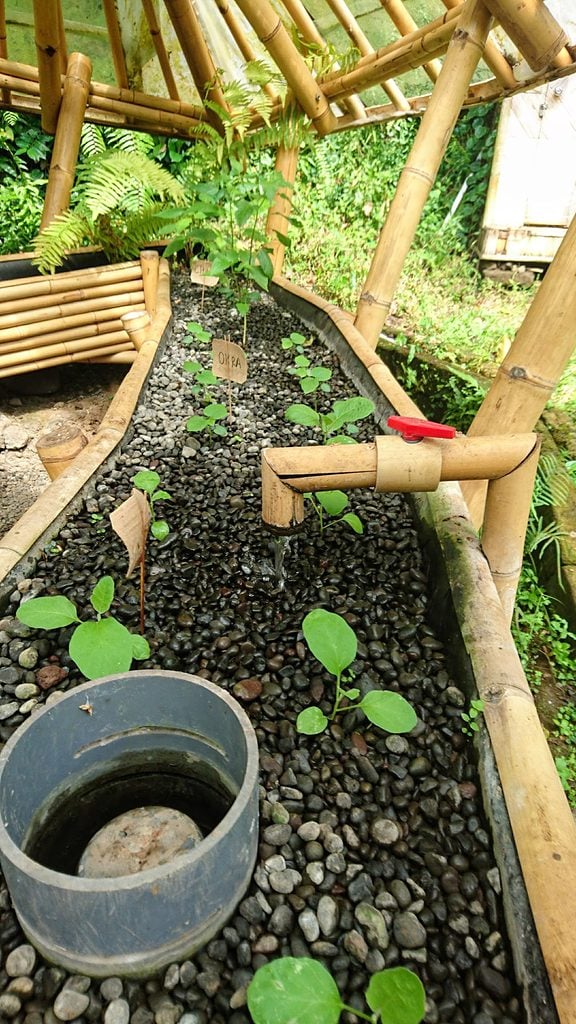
281 548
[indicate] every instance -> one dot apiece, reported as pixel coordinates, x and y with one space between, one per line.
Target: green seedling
209 421
333 642
100 648
299 990
295 342
344 415
471 716
200 335
311 378
333 503
147 480
204 380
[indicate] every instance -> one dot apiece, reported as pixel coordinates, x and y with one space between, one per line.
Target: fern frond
68 230
112 178
123 140
553 484
260 72
92 140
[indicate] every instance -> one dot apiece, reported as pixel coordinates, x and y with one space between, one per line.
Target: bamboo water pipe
534 30
48 57
307 91
67 141
160 48
115 38
421 168
363 44
530 371
310 34
279 212
197 55
405 24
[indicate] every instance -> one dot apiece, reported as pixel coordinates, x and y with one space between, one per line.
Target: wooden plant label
200 273
131 521
229 360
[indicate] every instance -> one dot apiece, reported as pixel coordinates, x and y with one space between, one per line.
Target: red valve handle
414 429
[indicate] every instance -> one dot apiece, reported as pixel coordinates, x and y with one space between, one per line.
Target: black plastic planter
141 739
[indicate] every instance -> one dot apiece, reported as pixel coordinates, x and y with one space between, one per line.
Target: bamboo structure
198 56
150 268
277 222
421 169
493 56
67 141
5 94
405 24
534 29
243 44
360 40
161 51
47 24
58 447
116 48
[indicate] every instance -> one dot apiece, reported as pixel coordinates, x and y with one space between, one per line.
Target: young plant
470 717
204 380
344 415
147 480
209 421
333 642
311 378
297 342
100 648
333 503
200 335
299 989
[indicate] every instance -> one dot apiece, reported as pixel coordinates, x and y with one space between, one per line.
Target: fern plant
116 205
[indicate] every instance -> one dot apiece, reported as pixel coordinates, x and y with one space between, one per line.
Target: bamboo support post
363 44
493 57
421 168
67 141
62 48
58 447
197 55
137 327
310 34
92 277
409 52
97 316
115 41
530 371
112 329
3 47
272 34
150 266
160 48
12 322
405 24
532 28
279 212
26 305
47 52
243 44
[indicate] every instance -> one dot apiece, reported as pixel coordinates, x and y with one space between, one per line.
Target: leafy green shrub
333 503
344 415
21 203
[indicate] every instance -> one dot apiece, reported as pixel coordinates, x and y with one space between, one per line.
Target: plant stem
357 1013
142 591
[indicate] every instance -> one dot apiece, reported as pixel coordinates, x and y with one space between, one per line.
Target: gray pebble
285 881
374 924
309 925
10 1005
111 988
309 831
327 914
70 1004
117 1012
26 690
408 931
28 658
355 944
21 960
385 831
7 710
277 835
282 920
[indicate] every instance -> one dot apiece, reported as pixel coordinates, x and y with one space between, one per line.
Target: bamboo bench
97 315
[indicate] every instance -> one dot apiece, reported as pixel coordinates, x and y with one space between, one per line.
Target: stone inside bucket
142 838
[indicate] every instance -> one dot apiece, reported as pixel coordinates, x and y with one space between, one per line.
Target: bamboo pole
3 46
62 49
116 359
67 141
134 111
493 57
115 41
58 447
160 48
137 327
111 329
24 305
307 91
535 362
62 359
69 280
405 24
122 300
47 55
197 55
279 212
504 532
409 52
150 268
532 28
17 363
78 320
363 44
421 168
243 44
307 28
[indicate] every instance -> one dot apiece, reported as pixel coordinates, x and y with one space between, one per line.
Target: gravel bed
373 850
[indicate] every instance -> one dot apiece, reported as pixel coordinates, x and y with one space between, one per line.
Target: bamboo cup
46 24
57 448
67 141
137 327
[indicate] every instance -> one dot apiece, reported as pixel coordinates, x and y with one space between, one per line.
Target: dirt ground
31 404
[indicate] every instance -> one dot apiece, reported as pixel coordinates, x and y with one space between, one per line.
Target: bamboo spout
391 464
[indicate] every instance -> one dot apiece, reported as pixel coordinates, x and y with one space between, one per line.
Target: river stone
10 1005
385 831
309 925
21 960
7 710
28 658
142 838
111 988
374 924
26 690
408 931
117 1012
70 1004
327 914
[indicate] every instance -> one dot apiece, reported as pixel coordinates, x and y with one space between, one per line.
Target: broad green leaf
354 522
161 496
221 262
309 385
220 430
321 373
243 308
302 361
311 721
283 238
398 995
341 439
260 277
353 409
293 990
266 263
302 414
333 502
244 211
207 378
47 612
352 694
192 366
101 648
389 710
160 529
146 480
197 423
216 411
331 640
103 594
140 647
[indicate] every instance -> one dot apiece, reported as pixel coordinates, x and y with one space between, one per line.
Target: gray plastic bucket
120 742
